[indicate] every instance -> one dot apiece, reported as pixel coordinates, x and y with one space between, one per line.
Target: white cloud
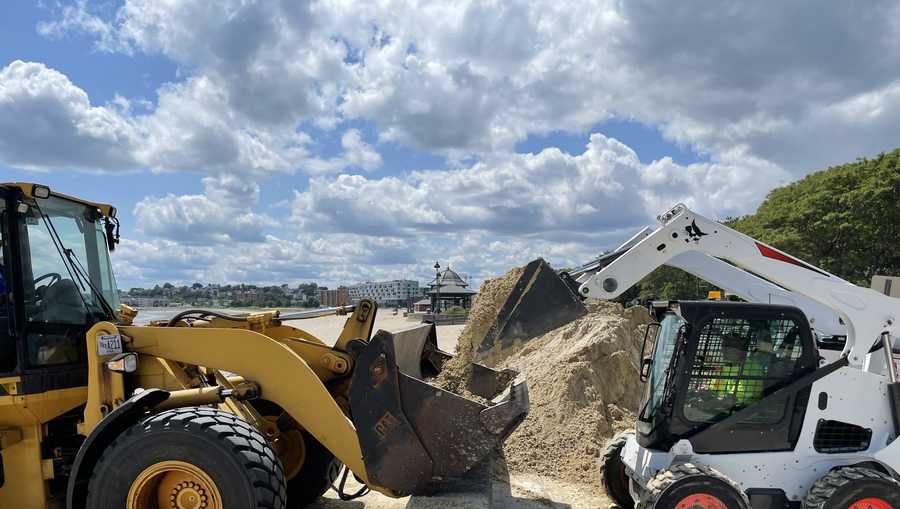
604 188
48 122
472 77
767 91
357 155
76 18
224 213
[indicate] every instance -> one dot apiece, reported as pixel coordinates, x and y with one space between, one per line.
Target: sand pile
491 297
582 379
584 387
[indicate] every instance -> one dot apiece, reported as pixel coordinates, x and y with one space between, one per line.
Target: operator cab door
8 347
52 301
738 357
715 373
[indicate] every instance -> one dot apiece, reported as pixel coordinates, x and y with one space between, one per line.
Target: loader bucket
416 437
540 301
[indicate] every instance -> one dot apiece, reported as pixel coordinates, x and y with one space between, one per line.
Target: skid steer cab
209 409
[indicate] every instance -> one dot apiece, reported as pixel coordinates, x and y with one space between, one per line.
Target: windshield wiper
84 279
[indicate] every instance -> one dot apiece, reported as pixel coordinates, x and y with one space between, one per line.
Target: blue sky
282 142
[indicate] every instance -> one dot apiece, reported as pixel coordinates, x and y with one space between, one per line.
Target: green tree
845 219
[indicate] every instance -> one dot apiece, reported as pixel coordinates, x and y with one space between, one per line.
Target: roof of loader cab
28 188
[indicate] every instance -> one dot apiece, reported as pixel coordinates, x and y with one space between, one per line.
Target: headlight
123 363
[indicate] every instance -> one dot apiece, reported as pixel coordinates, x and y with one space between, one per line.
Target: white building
398 292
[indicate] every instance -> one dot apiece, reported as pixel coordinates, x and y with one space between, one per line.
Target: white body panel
855 397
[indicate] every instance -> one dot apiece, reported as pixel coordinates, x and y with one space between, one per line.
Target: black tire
612 471
672 486
843 487
232 453
319 470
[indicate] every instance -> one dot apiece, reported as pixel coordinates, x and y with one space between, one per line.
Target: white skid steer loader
739 410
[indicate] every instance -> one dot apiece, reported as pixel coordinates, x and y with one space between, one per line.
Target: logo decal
694 231
385 425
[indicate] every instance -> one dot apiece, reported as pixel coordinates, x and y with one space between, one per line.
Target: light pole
437 289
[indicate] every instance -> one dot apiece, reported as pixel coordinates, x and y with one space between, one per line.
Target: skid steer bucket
416 437
540 301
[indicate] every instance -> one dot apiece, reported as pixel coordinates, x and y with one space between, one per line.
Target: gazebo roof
450 284
452 290
449 278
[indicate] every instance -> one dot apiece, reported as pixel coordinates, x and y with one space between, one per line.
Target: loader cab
721 374
57 282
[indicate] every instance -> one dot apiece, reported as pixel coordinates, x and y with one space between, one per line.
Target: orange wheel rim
701 501
173 485
871 503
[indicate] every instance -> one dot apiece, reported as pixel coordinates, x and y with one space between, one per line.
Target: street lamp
437 289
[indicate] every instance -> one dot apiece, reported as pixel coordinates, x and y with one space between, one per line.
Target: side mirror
111 228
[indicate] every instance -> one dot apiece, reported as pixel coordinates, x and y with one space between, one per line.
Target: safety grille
834 437
738 362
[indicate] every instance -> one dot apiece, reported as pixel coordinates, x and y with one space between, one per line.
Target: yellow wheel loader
208 410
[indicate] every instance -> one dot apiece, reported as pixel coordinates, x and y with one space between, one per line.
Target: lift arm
730 278
866 313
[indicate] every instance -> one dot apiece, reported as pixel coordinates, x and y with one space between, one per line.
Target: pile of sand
584 387
492 295
582 381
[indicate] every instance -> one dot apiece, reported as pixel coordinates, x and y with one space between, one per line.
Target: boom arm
731 278
866 313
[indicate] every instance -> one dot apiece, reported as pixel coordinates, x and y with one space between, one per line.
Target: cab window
740 361
56 238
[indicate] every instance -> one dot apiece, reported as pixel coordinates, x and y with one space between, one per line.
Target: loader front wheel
310 468
188 458
854 488
612 471
689 486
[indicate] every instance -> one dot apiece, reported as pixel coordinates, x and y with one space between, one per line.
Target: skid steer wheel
689 486
310 469
854 488
612 471
188 458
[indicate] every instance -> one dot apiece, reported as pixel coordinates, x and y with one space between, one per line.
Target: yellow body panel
284 376
24 487
28 189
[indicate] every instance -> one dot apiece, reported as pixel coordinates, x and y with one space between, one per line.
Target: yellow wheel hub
288 445
173 485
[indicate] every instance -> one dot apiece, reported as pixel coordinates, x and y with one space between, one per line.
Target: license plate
109 344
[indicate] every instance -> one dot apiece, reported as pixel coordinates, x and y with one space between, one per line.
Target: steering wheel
54 278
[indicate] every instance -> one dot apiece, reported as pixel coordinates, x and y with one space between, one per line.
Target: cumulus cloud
604 188
223 213
47 121
765 92
476 77
357 155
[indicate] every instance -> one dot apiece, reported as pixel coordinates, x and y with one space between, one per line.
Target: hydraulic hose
203 313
